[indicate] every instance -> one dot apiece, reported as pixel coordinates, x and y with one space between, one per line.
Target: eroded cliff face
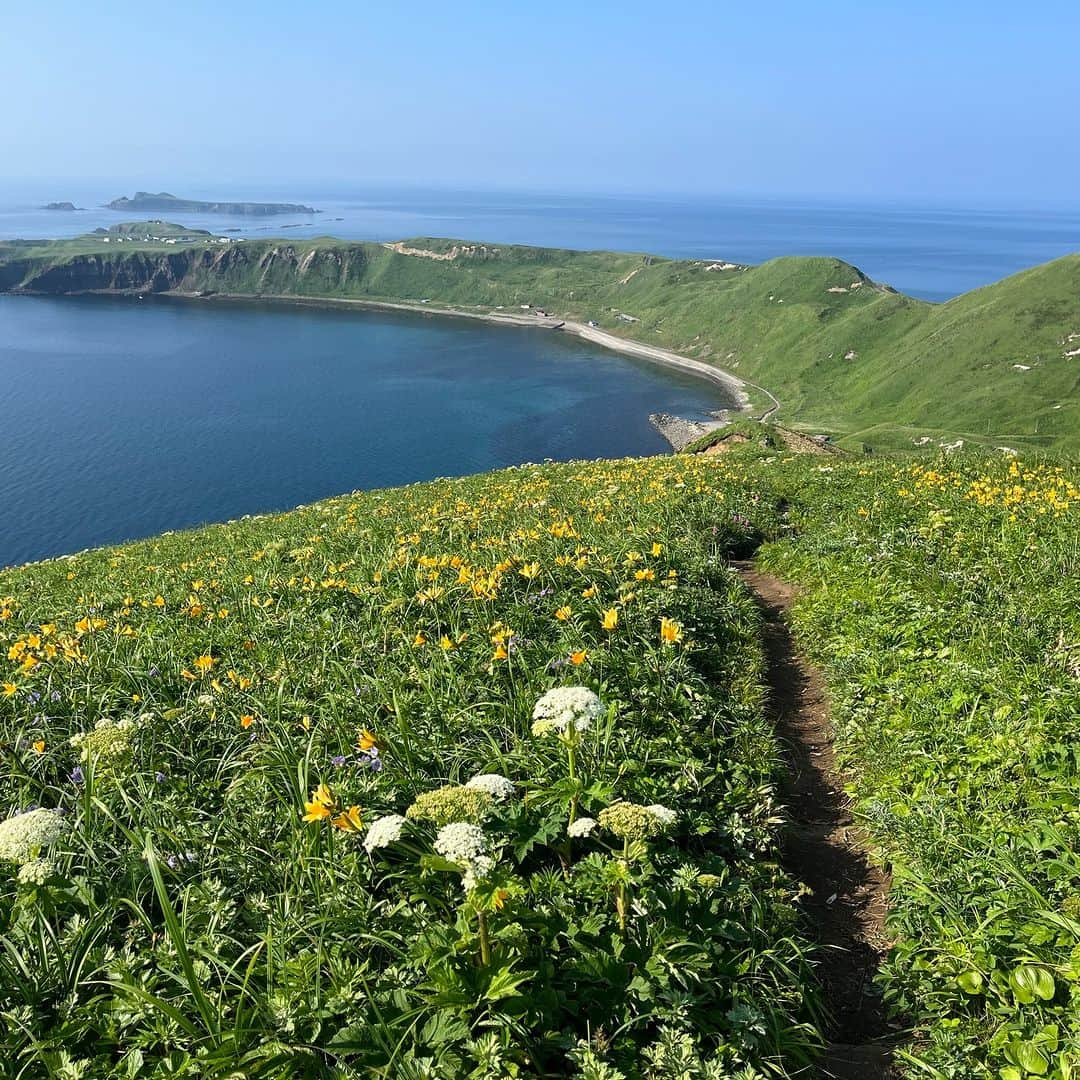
248 269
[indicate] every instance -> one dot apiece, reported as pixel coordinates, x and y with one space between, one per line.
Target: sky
894 100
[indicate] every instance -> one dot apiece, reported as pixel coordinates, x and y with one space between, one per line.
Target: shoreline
735 386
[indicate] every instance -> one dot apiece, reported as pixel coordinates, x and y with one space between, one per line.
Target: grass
248 700
211 908
843 355
942 603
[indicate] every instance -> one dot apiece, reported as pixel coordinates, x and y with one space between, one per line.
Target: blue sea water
932 252
122 418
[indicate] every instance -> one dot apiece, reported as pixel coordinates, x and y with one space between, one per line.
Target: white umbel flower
583 826
23 836
465 844
564 708
663 814
36 872
498 787
384 831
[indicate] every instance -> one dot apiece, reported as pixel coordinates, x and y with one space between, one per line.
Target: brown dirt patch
824 849
728 442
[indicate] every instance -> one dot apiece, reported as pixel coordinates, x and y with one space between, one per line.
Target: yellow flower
648 574
419 639
321 805
670 631
159 601
9 689
500 652
578 658
349 820
590 592
366 739
563 614
445 643
305 722
610 619
246 721
39 746
204 663
658 549
530 570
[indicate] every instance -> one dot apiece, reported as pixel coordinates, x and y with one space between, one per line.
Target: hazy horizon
969 106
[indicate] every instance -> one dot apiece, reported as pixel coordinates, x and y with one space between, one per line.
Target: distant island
155 230
145 200
61 206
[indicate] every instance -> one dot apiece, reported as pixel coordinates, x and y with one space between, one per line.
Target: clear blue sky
950 100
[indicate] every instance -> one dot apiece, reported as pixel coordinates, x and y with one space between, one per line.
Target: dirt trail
823 848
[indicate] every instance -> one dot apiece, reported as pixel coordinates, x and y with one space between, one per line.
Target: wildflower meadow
474 778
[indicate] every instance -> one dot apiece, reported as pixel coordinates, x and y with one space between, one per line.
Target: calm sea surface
931 252
123 419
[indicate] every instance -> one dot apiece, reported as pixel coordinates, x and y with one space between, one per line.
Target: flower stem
571 764
485 942
622 899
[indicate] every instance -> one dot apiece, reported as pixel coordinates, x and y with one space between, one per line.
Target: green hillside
842 354
477 778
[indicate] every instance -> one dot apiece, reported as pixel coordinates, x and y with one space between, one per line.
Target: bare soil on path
848 897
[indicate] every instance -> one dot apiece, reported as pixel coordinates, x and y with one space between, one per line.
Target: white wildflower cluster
466 845
582 827
498 787
663 814
108 745
384 831
23 836
566 708
36 872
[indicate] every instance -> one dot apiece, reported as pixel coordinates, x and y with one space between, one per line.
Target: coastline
735 386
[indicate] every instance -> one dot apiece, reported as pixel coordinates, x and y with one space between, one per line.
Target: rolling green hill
842 353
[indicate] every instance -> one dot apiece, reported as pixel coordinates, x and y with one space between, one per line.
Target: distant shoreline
735 387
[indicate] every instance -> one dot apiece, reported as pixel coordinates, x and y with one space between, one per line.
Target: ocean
124 418
927 251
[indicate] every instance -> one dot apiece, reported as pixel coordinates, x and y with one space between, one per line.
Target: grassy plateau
293 796
843 355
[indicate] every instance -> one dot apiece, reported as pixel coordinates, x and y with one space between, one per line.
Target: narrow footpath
848 899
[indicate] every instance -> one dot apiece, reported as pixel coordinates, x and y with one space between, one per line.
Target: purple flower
153 672
337 760
76 776
55 695
159 777
33 697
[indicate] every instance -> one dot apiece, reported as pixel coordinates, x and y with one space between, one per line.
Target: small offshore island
162 200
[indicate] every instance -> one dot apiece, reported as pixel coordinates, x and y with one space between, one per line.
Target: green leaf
1031 1058
437 862
971 982
1029 982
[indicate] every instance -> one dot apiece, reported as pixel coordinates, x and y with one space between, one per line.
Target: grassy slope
941 602
918 368
249 656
